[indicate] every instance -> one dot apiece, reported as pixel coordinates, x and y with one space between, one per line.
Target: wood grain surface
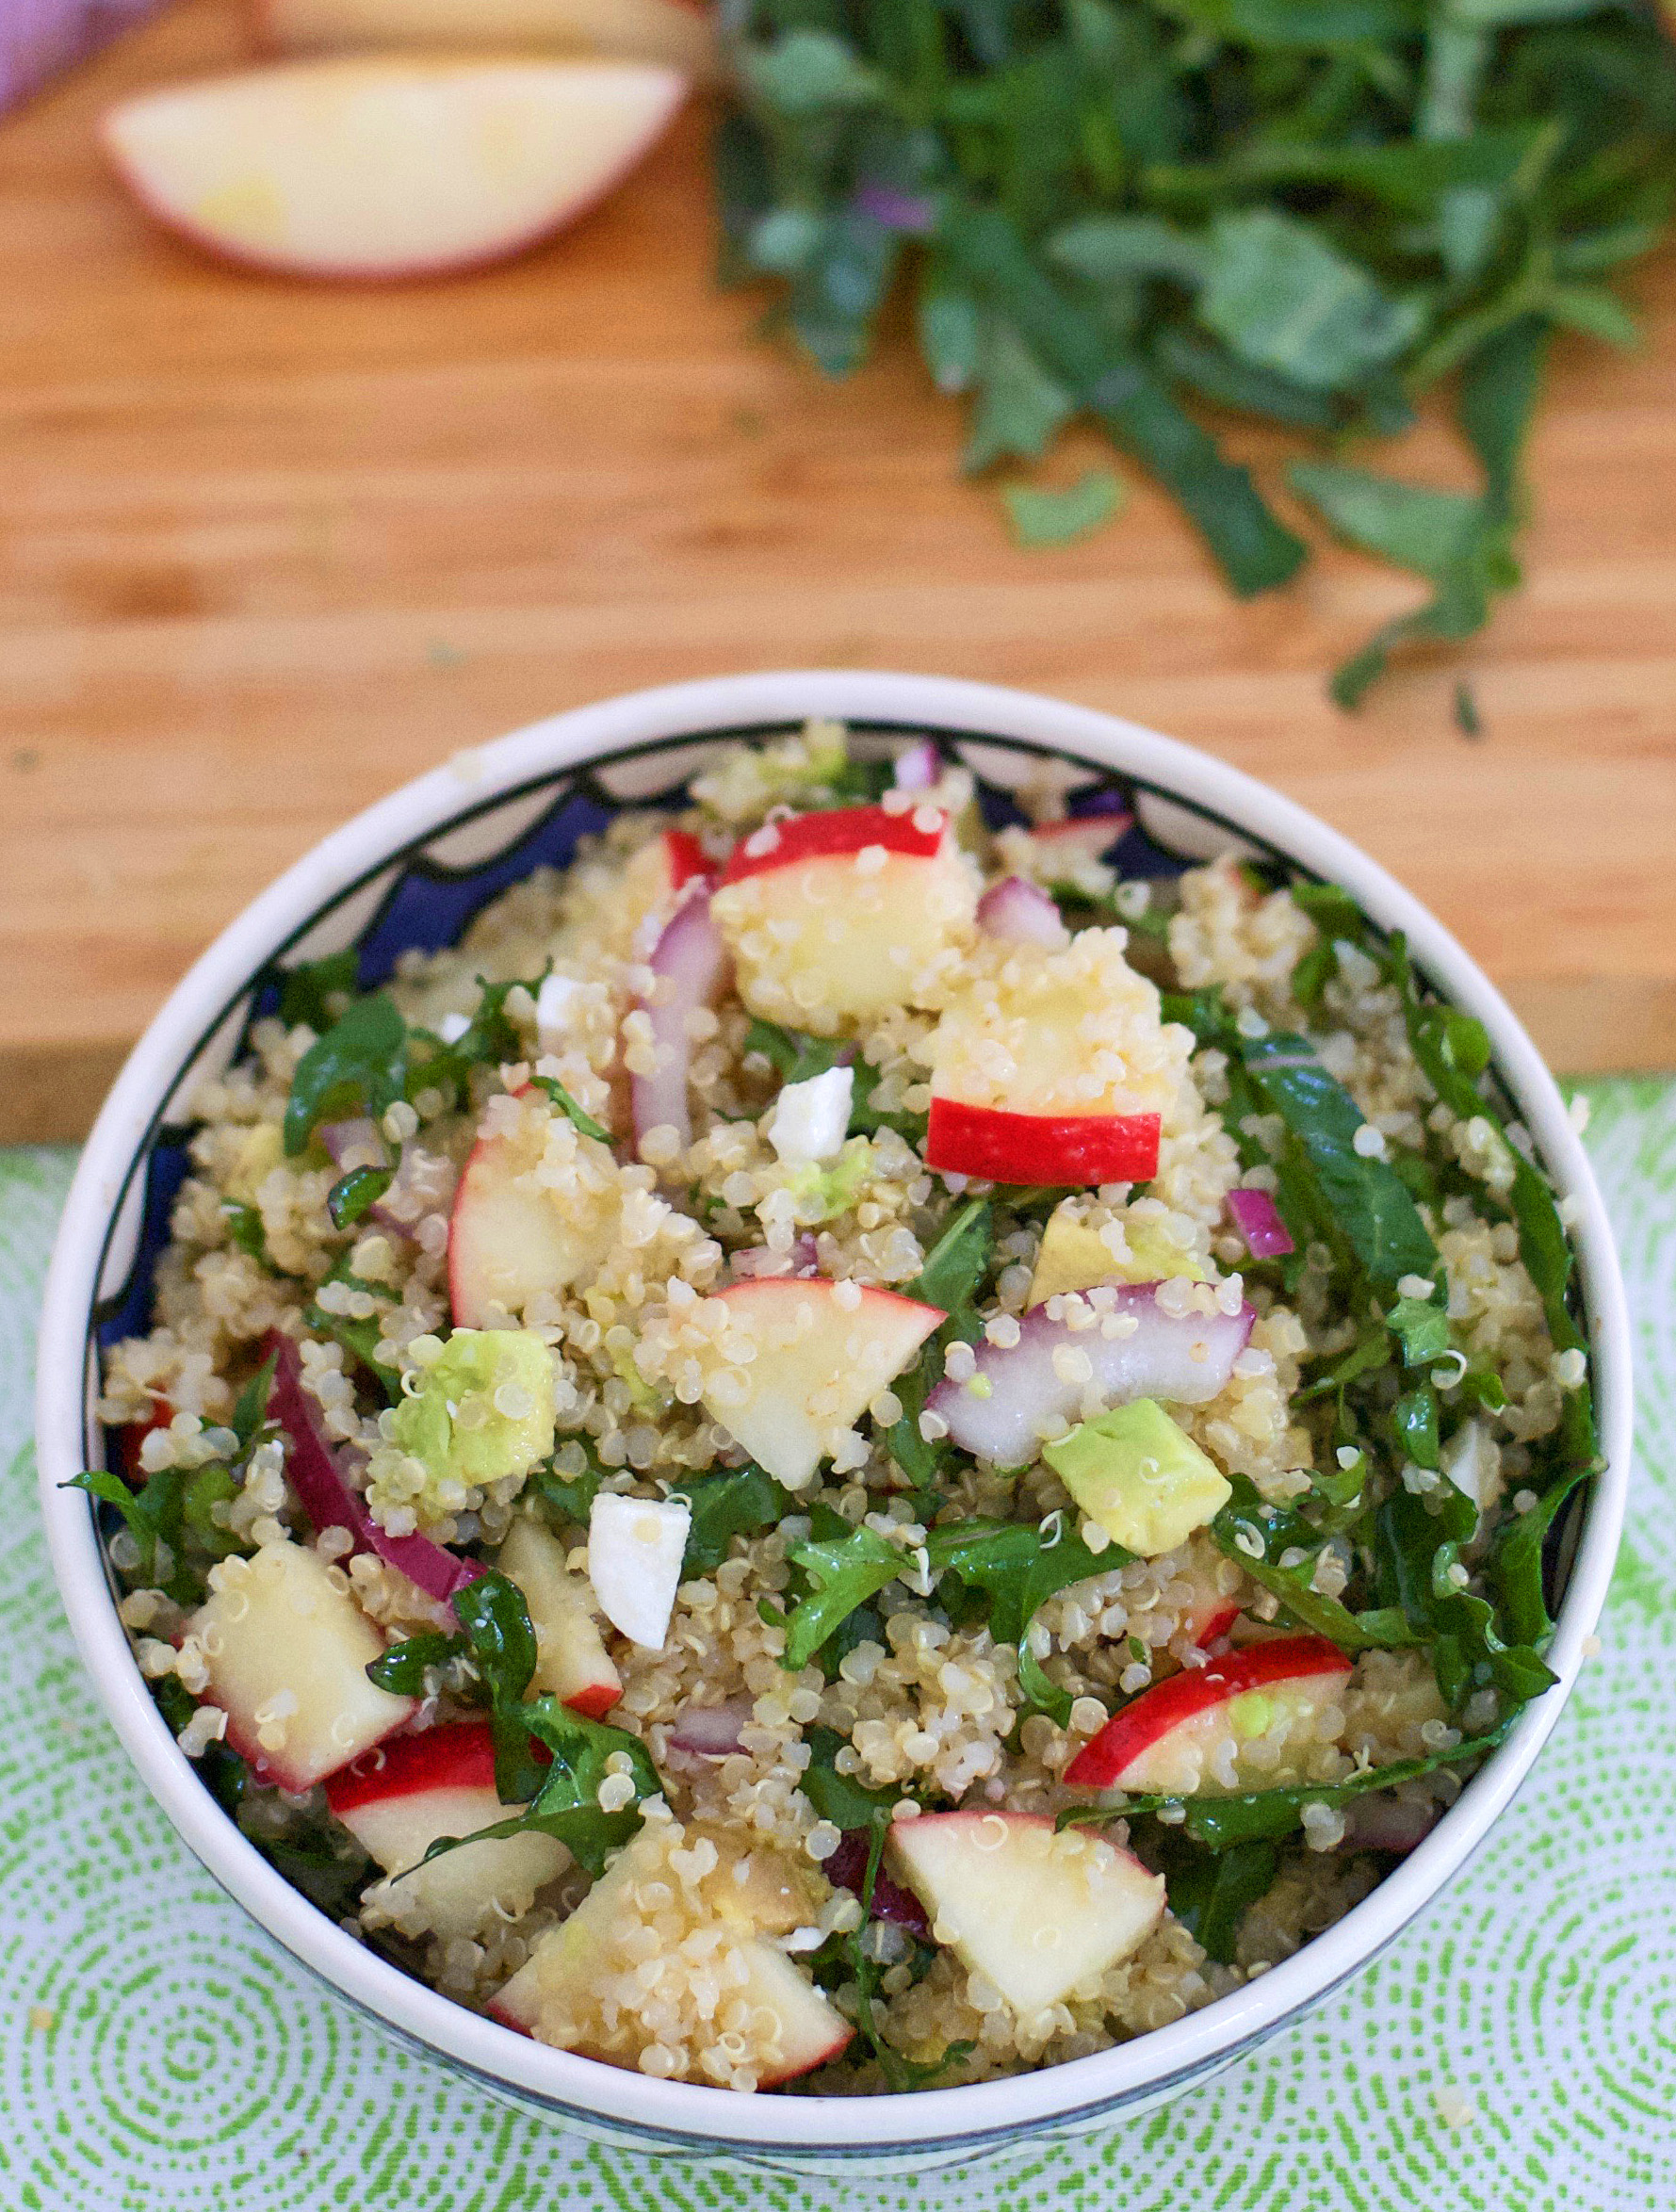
266 551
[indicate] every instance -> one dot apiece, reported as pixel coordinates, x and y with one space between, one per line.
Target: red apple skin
594 1702
1004 1147
459 1756
844 829
371 276
1102 1759
684 858
1215 1625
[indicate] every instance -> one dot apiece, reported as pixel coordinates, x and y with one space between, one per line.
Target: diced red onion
802 1260
1257 1217
332 1502
1183 1359
689 961
918 768
1020 913
710 1731
847 1870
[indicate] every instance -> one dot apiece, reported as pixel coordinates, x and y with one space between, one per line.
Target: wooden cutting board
266 551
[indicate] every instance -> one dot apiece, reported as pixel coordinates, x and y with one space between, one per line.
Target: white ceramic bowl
410 869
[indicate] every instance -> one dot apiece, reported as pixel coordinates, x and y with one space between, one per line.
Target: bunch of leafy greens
1307 211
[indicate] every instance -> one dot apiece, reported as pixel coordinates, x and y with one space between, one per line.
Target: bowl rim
684 2116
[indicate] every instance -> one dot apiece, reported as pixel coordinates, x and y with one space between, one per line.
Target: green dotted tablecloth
1515 2052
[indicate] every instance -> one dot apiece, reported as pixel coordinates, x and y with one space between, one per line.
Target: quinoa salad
851 1450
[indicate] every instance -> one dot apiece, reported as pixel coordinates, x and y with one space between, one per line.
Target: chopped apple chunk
1037 1914
287 1649
838 917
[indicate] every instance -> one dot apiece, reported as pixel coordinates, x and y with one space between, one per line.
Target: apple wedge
838 917
288 1652
386 167
512 1236
572 1662
564 1991
1051 1064
799 1362
1174 1738
396 1801
676 32
1035 1912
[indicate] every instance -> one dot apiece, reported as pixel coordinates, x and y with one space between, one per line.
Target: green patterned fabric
1515 2052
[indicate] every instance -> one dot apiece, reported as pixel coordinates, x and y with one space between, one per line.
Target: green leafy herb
567 1499
1020 1568
358 1065
403 1668
1222 1823
738 1503
953 1274
1309 210
845 1571
1258 1537
352 1195
839 1797
851 1806
1211 1892
565 1794
496 1625
1368 1200
307 991
1042 517
560 1098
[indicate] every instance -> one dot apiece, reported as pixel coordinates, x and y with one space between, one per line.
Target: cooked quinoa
617 1251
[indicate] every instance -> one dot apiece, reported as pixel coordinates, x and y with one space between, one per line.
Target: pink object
1183 1359
39 38
1257 1217
360 1141
1021 913
689 960
710 1731
918 768
330 1502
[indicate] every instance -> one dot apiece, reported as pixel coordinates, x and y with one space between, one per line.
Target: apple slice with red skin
1036 1912
371 169
572 1661
837 916
841 830
1004 1147
400 1798
822 1355
678 32
1165 1740
287 1653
